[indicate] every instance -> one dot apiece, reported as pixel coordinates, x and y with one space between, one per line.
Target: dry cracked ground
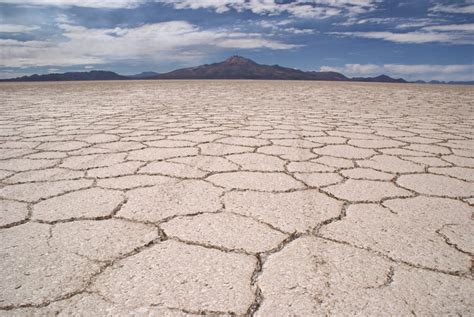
236 198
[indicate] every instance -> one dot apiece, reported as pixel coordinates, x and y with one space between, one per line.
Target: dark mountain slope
379 79
333 76
235 67
143 75
92 75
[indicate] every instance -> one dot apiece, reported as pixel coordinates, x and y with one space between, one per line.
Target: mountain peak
234 67
238 60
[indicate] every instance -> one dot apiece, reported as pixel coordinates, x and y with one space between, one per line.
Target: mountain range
92 75
235 67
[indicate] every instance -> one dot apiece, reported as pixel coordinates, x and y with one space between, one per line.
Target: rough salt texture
88 203
33 272
150 198
12 212
106 239
225 230
366 190
313 277
174 274
290 212
256 181
171 199
418 241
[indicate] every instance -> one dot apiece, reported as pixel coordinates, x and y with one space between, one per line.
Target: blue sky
413 39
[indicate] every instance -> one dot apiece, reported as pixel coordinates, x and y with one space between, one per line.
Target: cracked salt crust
366 190
88 203
191 198
173 274
170 199
317 277
374 226
225 230
294 211
436 185
12 212
276 181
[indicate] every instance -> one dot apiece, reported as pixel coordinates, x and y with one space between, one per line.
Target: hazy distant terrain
271 198
235 67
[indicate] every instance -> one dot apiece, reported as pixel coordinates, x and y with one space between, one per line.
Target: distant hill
379 79
92 75
144 75
445 82
460 82
235 67
328 76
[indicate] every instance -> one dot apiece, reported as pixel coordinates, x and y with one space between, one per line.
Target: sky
413 39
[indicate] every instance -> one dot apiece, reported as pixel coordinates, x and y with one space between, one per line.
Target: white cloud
173 40
418 24
297 8
115 4
416 37
426 30
397 22
17 28
12 74
375 20
62 18
467 8
410 72
219 6
253 43
353 69
331 69
451 27
299 31
284 22
424 69
361 68
281 27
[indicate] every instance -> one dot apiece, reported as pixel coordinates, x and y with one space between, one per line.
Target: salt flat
264 198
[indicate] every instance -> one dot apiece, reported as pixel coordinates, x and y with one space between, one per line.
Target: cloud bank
457 34
176 40
411 72
298 8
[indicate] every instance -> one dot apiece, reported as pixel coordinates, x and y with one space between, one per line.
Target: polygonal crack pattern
236 198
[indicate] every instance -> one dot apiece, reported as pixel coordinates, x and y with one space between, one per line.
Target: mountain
144 75
450 82
471 82
379 79
235 67
92 75
328 76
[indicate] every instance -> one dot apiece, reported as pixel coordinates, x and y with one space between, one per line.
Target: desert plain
265 198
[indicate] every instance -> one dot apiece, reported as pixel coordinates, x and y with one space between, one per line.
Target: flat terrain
236 197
